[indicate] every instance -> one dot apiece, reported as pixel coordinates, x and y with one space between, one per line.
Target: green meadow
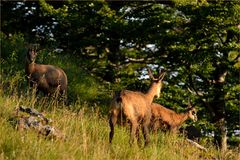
86 128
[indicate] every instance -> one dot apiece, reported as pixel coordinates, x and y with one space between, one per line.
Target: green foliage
12 62
12 52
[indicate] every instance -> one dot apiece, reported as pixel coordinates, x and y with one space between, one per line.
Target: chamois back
48 79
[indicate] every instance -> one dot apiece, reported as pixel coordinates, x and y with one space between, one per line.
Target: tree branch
197 145
200 95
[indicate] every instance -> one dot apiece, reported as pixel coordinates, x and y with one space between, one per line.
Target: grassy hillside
87 137
84 121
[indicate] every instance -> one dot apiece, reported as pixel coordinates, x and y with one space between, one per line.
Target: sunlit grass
86 129
87 137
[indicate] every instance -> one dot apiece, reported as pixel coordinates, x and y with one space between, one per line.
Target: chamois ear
34 47
35 50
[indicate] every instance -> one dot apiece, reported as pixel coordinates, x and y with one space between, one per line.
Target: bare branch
197 145
195 92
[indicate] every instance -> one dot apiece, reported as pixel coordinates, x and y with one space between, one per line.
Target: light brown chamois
46 78
135 107
163 117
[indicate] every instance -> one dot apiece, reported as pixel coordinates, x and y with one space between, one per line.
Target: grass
87 137
84 121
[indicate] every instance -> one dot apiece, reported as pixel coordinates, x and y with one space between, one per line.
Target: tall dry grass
87 132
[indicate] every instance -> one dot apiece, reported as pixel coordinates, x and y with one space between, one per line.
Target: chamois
46 78
135 107
163 117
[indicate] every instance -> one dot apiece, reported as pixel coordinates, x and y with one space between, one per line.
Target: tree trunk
223 130
219 119
222 137
218 105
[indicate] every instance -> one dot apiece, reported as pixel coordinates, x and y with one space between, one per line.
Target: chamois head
192 112
157 82
31 55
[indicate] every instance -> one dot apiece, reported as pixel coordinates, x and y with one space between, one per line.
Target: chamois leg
155 126
173 130
145 130
138 136
134 127
112 123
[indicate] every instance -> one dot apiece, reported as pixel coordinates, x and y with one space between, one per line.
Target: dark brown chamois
135 106
46 78
163 117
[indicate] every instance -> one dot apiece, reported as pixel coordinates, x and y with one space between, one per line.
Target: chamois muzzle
193 115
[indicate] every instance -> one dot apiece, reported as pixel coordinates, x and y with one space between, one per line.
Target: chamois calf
163 117
46 78
135 107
